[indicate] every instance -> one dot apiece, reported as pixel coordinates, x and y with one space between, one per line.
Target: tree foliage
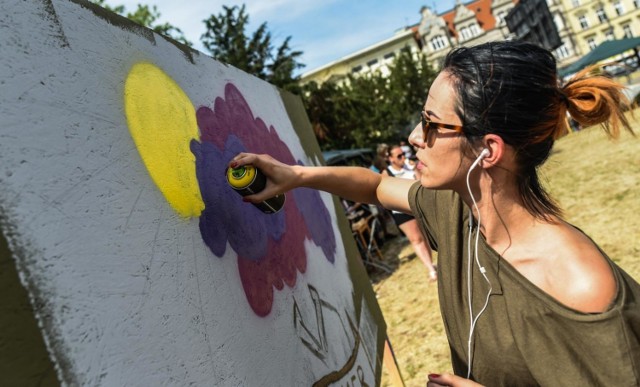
358 112
370 109
147 17
226 39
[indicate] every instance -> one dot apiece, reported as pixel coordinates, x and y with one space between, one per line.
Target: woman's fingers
243 159
275 172
447 379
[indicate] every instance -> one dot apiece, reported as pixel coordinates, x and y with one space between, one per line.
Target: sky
324 30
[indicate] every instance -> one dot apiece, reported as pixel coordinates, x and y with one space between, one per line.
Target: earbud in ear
485 152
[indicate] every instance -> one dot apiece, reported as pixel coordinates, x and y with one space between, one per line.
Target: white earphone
474 319
485 152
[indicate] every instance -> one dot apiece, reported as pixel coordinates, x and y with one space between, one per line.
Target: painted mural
169 133
141 264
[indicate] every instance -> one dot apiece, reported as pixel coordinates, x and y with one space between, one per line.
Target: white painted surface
130 293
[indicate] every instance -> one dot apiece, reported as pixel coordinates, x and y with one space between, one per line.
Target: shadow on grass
393 256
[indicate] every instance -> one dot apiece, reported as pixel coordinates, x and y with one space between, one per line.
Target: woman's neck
504 220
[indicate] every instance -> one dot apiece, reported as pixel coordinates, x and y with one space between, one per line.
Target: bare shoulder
581 277
567 265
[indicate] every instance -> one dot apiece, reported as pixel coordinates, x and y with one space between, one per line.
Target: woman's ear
496 150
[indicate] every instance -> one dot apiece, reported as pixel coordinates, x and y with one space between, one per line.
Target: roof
482 10
602 52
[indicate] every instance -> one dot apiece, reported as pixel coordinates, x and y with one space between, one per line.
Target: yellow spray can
248 180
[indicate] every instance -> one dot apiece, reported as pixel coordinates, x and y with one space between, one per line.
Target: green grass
596 182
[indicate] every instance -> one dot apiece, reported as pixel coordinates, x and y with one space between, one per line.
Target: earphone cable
473 320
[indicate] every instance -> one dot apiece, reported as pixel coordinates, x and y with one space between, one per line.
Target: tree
338 114
409 80
147 17
370 109
227 41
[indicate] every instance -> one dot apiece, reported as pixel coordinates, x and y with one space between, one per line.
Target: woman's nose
416 138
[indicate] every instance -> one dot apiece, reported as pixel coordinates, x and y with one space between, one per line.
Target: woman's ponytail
595 99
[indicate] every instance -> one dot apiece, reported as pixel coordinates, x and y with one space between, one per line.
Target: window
557 20
608 34
619 7
562 52
464 33
584 23
468 32
628 32
591 42
474 30
389 56
602 16
501 16
438 42
372 62
356 69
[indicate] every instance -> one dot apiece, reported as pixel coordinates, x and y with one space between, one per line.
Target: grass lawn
597 183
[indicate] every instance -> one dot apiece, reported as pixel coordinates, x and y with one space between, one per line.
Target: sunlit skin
442 164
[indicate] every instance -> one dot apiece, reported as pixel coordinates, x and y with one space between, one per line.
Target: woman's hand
447 379
280 177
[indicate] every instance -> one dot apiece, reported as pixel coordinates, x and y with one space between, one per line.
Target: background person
526 298
379 163
405 222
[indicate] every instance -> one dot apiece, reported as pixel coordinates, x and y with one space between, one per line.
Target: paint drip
248 180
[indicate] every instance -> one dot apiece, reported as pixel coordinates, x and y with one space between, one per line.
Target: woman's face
396 157
442 162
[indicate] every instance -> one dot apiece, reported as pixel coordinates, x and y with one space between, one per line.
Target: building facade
465 25
594 21
376 57
581 24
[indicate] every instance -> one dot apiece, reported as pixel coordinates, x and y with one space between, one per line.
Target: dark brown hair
511 89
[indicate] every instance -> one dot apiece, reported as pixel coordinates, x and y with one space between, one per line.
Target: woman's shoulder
571 269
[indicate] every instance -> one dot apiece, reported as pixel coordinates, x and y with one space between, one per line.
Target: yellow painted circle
162 123
241 177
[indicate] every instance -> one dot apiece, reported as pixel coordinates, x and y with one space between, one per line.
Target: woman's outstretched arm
353 183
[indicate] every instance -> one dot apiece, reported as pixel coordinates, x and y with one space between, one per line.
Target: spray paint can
248 180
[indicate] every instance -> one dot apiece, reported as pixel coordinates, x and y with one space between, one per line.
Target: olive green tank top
524 337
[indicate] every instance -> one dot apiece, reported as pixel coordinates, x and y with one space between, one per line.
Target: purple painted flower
270 248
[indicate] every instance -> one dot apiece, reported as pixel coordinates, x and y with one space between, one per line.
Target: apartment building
483 21
594 21
376 57
467 24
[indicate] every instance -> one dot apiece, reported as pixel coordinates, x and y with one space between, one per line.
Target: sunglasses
430 128
400 156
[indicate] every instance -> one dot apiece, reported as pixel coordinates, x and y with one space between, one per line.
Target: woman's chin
428 182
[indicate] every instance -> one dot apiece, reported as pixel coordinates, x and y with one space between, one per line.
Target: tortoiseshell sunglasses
430 128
